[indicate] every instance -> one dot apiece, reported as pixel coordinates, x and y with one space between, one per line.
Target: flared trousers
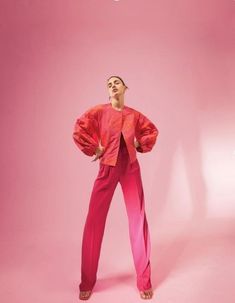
129 176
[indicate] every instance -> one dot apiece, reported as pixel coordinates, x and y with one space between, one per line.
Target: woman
113 132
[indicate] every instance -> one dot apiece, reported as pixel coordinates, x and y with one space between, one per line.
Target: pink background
178 60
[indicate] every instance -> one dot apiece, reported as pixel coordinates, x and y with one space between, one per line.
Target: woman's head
116 86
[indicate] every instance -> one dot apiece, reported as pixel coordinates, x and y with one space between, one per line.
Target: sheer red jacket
103 124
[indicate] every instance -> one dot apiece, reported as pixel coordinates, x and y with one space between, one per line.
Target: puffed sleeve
86 131
146 134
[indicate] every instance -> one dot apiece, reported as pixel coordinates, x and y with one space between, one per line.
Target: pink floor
193 263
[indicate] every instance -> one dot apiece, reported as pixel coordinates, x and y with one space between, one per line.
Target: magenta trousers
129 176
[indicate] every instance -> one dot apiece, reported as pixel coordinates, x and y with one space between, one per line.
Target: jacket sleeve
146 134
86 132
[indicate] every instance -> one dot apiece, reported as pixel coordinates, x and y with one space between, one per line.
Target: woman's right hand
99 151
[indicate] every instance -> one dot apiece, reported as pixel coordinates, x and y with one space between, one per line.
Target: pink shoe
146 294
85 294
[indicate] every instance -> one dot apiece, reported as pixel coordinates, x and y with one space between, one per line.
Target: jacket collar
123 109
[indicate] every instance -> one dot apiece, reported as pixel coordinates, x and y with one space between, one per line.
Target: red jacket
102 123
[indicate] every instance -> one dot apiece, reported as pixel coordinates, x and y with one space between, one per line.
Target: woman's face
115 87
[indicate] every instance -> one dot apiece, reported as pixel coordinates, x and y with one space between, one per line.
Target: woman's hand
99 151
136 143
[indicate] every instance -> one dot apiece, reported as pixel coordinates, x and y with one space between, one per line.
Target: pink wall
178 60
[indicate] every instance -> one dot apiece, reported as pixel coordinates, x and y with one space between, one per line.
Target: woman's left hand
136 144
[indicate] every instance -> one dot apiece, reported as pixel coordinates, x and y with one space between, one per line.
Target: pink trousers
129 176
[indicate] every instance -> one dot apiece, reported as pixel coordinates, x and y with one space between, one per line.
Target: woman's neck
118 103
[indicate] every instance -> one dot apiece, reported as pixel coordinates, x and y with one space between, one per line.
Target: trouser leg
101 196
132 188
